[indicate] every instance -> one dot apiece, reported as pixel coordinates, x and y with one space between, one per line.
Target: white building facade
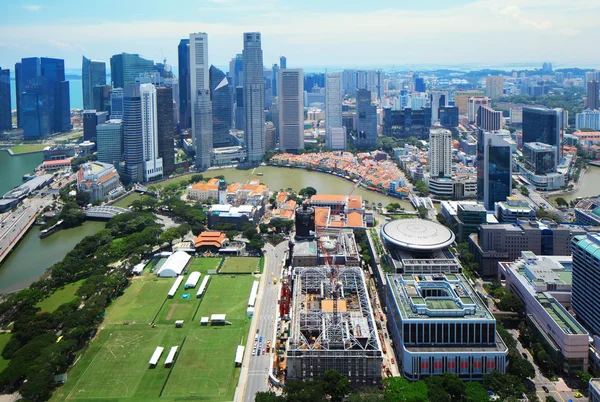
202 131
335 136
440 152
153 166
291 109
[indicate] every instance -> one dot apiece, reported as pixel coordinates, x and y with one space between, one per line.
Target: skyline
341 34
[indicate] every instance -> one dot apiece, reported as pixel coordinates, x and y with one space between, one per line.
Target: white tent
239 355
174 265
156 355
217 318
175 286
253 293
203 285
171 356
192 280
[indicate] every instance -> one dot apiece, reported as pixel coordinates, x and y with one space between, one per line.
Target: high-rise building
494 169
440 152
239 109
185 100
588 119
420 85
133 154
254 93
93 72
335 134
91 120
361 80
5 100
153 167
366 121
437 99
202 128
274 84
268 82
540 158
220 94
494 86
488 119
593 94
543 125
109 141
349 82
166 128
448 116
126 67
283 62
101 97
116 103
236 70
586 277
270 136
473 107
461 99
291 110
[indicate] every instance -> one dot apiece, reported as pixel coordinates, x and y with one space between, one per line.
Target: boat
259 174
27 177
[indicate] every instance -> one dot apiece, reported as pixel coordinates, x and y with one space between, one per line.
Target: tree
561 202
394 206
421 187
196 178
422 211
307 192
400 389
550 399
83 198
268 397
510 302
476 393
524 191
335 385
505 385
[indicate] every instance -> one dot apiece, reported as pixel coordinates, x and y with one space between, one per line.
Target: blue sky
309 32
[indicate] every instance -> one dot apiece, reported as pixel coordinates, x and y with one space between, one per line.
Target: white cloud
511 11
569 31
32 7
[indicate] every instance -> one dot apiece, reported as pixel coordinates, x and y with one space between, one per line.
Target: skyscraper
586 277
420 84
133 154
335 134
275 76
291 110
494 169
5 110
93 72
220 94
283 62
240 116
593 95
110 141
254 92
473 105
437 100
166 128
202 128
366 120
153 167
489 119
349 82
126 67
91 120
440 152
270 136
185 101
494 86
543 125
116 103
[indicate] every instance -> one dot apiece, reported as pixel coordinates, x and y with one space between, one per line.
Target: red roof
214 239
58 162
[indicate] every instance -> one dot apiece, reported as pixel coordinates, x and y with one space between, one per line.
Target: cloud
32 7
543 25
569 31
511 11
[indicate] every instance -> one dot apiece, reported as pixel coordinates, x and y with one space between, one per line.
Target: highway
255 370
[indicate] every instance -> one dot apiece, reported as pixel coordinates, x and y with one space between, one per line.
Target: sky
316 33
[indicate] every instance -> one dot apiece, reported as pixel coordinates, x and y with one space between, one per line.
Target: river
588 185
32 256
14 167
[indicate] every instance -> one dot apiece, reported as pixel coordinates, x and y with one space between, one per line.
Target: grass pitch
240 265
203 265
60 297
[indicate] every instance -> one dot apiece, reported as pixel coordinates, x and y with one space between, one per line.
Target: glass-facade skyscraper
133 156
185 102
542 125
166 128
220 94
494 169
93 72
110 141
5 101
254 97
126 67
366 120
586 277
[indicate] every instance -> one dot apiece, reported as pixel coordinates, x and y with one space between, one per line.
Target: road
255 370
540 202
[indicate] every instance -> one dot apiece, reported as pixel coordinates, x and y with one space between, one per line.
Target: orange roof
354 202
209 239
58 162
287 214
281 197
355 219
213 182
291 204
321 216
204 186
328 198
106 178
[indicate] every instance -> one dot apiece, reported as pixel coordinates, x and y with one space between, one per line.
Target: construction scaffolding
333 326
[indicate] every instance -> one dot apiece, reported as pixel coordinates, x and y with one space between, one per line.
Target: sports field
115 365
60 297
240 265
203 265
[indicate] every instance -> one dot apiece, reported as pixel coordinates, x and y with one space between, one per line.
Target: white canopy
174 265
156 355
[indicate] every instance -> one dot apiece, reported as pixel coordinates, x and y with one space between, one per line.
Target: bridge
103 212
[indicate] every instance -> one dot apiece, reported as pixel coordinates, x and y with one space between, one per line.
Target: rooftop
417 234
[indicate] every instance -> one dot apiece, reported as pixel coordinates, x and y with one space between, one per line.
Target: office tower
335 134
378 84
448 116
349 82
19 88
116 104
93 72
539 158
254 102
437 99
59 98
202 129
366 121
283 62
291 110
270 136
360 81
126 67
494 86
473 107
488 119
5 100
543 125
133 154
418 102
101 97
420 84
440 152
275 75
153 167
593 94
236 70
239 109
461 99
91 119
166 128
586 277
109 141
185 100
220 93
268 81
407 123
494 169
588 119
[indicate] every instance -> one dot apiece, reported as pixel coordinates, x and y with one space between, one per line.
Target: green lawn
240 265
60 297
179 308
26 148
203 265
126 201
4 338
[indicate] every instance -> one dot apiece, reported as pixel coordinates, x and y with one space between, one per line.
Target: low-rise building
454 188
99 180
204 191
594 388
220 214
512 209
56 164
587 212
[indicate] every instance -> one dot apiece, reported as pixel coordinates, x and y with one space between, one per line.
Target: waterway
13 168
588 185
32 256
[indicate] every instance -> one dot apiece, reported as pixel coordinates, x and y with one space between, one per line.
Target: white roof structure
253 293
217 317
417 234
174 265
138 269
204 320
192 280
171 355
203 285
239 354
175 286
156 355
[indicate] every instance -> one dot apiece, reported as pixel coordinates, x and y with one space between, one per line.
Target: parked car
545 388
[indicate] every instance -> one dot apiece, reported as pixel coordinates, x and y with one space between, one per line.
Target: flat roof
560 315
417 234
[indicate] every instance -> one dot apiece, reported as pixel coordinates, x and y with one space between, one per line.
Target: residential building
439 325
5 100
109 141
488 119
461 99
220 94
99 180
185 100
116 103
473 105
544 284
202 119
254 97
366 121
407 123
593 94
91 119
543 125
93 72
440 152
125 68
152 162
588 119
494 86
133 155
335 134
505 242
586 276
494 169
166 128
513 209
291 110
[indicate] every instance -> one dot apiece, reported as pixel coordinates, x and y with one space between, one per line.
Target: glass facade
5 111
540 158
132 135
110 141
499 177
366 120
185 101
166 128
126 67
542 125
220 93
93 73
